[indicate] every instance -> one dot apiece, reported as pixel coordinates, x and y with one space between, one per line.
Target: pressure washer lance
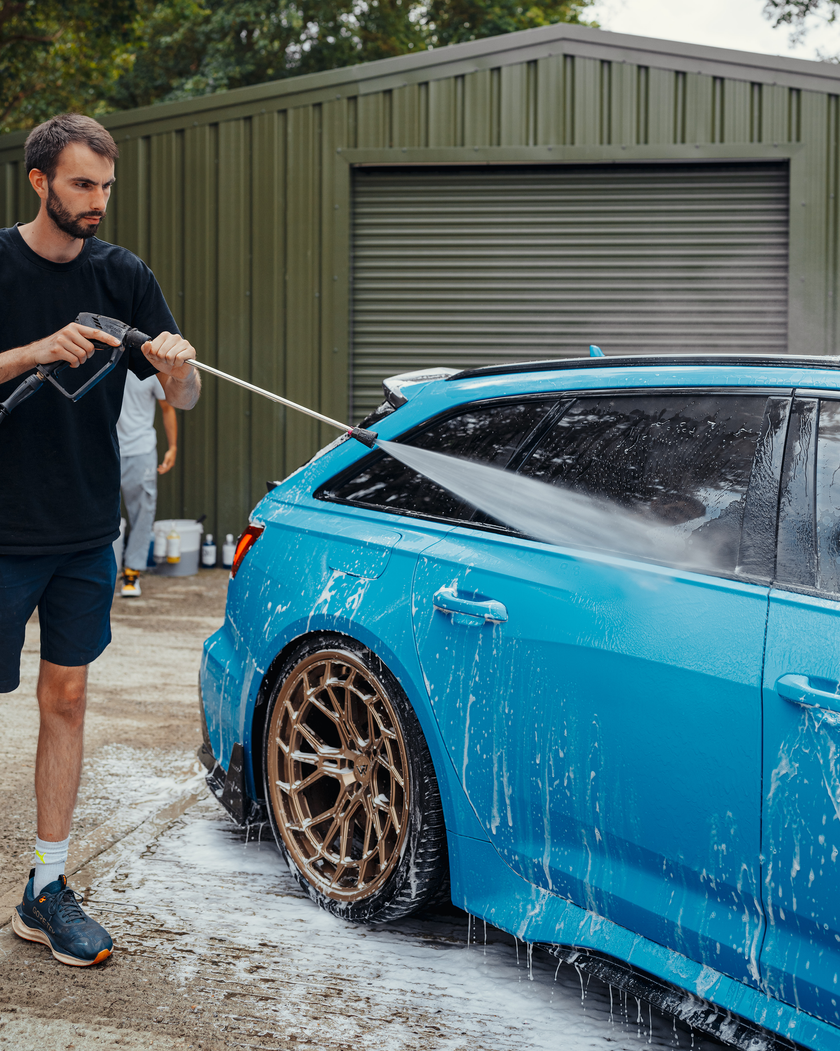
132 338
366 437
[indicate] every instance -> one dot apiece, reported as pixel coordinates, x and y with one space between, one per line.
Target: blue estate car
632 759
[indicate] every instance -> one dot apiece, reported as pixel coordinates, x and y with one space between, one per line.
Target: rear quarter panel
320 567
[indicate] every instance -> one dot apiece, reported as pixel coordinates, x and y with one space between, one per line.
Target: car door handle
447 600
810 691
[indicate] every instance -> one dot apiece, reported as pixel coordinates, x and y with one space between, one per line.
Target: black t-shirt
60 460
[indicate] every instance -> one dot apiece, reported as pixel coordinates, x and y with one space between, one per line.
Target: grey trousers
138 480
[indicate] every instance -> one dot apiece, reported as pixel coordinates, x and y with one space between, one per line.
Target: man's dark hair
45 143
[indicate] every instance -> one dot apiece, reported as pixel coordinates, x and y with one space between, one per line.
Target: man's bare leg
62 694
53 917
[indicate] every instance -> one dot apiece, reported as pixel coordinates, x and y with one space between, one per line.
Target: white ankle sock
50 860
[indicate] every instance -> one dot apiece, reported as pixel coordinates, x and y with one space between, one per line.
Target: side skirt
699 1014
734 1011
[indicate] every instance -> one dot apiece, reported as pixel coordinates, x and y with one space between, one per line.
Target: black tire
363 784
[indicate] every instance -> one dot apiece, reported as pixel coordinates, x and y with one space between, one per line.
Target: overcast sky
737 24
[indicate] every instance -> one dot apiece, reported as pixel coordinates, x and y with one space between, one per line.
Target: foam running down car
631 758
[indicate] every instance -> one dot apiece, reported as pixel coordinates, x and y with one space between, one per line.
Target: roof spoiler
393 387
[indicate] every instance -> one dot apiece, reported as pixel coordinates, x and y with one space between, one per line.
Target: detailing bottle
228 551
160 546
208 552
173 546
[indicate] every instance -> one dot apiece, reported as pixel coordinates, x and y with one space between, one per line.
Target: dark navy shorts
73 594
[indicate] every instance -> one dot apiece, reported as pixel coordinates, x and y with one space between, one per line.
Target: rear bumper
228 786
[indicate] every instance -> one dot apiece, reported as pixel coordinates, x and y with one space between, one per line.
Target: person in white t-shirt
139 469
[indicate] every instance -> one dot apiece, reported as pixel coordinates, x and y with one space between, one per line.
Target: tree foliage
795 12
187 48
96 56
800 16
454 21
56 56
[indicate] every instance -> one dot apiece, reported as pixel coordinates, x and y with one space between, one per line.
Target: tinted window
828 497
490 434
683 460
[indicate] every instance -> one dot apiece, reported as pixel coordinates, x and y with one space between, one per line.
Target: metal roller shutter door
471 266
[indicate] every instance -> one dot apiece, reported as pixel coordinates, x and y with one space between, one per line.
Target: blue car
628 755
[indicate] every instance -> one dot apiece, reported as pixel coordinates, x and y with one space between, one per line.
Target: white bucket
190 533
119 545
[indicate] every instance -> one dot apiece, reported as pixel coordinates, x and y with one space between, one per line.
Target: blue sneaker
55 918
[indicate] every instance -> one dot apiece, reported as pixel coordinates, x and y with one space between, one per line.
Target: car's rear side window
682 459
489 433
828 497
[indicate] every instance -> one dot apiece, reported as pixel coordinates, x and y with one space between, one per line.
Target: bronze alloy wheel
351 788
338 775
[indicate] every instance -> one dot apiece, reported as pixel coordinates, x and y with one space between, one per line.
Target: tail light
244 545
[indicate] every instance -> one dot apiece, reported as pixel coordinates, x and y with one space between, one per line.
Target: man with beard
60 477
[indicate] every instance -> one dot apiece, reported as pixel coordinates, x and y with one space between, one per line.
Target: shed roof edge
507 48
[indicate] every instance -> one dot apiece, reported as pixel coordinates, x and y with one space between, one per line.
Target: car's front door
801 827
604 712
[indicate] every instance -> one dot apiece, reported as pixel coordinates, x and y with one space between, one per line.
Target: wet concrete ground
216 946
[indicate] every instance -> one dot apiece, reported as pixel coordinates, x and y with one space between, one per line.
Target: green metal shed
521 196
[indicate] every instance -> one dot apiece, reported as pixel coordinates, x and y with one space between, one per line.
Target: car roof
652 361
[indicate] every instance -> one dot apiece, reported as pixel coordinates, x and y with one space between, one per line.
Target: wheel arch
459 815
258 715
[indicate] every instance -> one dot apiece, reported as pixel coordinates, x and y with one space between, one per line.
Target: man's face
79 191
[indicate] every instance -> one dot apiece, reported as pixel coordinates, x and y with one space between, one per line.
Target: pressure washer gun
129 338
132 338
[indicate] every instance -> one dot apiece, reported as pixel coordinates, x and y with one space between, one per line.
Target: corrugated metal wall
241 202
473 266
